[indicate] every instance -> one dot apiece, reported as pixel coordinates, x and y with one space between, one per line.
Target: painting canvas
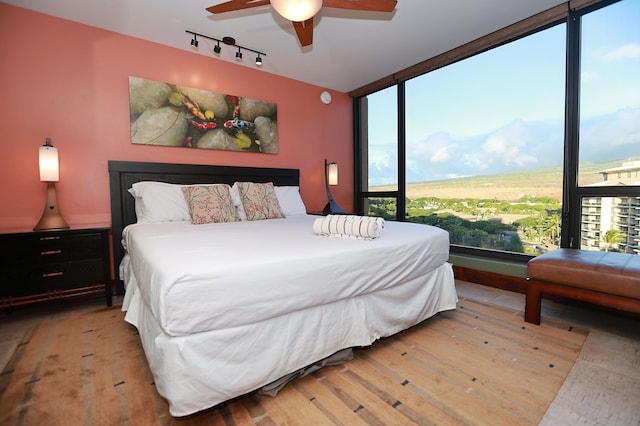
173 115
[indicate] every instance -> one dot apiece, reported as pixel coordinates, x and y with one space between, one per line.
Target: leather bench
602 278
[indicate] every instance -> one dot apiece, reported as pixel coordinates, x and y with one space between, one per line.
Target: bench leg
533 302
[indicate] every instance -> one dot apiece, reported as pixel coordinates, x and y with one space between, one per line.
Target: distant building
599 215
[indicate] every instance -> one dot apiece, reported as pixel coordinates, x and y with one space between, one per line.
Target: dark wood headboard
123 174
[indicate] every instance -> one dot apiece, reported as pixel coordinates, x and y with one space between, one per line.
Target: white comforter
196 278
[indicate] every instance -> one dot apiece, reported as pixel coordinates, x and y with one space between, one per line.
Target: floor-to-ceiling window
380 176
609 127
484 141
525 147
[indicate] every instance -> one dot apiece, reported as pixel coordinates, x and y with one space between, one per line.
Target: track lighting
230 41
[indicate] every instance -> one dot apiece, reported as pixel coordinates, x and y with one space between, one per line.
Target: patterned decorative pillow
210 203
259 200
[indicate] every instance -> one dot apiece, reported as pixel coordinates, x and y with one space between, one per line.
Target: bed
223 309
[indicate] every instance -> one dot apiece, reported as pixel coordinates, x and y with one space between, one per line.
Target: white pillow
159 202
290 201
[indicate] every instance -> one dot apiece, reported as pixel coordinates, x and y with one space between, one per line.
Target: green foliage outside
509 218
612 238
478 223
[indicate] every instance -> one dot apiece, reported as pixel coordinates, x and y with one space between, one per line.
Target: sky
503 110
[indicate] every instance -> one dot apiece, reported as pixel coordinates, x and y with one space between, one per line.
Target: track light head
217 48
239 54
258 61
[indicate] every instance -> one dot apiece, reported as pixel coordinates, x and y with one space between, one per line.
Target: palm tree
613 236
552 228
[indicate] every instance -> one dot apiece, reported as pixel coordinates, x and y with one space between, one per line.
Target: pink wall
69 82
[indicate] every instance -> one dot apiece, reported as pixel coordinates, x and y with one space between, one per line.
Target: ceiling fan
301 12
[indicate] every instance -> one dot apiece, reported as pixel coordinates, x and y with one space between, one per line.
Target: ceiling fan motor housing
297 10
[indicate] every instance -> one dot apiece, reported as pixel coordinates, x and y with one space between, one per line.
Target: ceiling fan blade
304 31
371 5
232 5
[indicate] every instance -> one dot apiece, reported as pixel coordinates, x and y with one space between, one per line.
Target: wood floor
603 387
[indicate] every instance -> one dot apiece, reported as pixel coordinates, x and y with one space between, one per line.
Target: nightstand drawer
28 280
46 249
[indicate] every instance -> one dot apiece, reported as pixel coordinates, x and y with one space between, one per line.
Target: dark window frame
569 13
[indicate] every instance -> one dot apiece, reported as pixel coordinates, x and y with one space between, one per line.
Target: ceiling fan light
297 10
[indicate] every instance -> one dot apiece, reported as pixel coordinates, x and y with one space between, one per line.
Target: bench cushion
606 272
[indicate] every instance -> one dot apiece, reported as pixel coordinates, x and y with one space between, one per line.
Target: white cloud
476 161
520 145
589 77
508 151
525 160
437 148
507 145
441 155
379 158
501 145
628 51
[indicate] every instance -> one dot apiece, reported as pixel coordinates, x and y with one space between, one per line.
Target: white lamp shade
333 174
49 164
297 10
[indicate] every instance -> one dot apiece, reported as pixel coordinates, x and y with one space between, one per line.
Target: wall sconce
229 41
331 178
49 172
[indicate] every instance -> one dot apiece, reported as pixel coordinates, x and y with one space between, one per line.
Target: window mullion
401 203
570 234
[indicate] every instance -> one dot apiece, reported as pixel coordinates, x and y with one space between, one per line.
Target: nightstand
38 266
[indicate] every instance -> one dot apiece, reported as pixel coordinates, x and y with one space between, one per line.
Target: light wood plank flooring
603 387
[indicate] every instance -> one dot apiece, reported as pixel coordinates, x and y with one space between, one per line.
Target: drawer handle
49 238
50 252
52 274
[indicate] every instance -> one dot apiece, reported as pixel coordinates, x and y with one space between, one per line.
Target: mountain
516 147
511 186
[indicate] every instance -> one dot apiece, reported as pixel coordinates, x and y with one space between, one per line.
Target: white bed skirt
201 370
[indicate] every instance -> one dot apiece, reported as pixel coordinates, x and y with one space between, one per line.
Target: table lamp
49 172
331 178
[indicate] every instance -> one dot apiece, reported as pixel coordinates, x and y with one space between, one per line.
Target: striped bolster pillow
349 226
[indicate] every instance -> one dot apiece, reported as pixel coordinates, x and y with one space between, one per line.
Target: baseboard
491 279
501 267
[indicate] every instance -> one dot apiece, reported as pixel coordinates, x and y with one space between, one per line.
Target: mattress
199 278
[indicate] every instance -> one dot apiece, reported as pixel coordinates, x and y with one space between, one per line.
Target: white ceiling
350 49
